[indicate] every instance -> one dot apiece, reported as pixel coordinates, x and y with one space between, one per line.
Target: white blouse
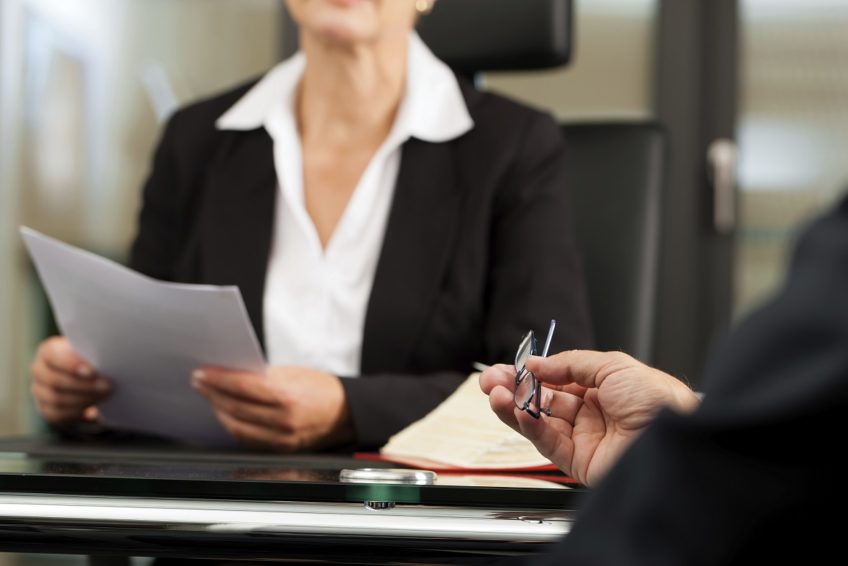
315 299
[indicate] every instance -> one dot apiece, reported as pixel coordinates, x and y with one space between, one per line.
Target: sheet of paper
147 336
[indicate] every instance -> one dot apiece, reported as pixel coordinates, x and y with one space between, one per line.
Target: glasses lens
525 386
530 396
525 348
540 401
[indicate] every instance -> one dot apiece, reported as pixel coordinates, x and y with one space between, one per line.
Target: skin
65 386
288 409
351 89
356 53
599 402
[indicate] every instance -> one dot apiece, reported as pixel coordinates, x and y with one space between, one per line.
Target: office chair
617 171
616 167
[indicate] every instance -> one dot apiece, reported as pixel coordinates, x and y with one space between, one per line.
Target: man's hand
64 385
289 409
599 401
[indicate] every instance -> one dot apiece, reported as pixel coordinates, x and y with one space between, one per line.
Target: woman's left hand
289 409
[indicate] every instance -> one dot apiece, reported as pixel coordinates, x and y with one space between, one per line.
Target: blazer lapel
239 218
416 249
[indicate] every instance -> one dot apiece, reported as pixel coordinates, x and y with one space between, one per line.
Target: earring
424 7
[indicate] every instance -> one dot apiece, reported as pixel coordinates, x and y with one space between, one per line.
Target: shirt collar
432 109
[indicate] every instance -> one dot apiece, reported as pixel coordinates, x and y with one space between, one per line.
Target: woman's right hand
64 385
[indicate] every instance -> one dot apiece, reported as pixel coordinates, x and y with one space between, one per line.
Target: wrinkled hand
289 409
64 385
599 401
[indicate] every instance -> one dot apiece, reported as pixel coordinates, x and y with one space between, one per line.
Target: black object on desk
96 499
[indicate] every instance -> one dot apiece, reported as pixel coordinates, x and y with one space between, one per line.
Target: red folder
547 472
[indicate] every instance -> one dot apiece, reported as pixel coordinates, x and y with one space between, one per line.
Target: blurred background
85 86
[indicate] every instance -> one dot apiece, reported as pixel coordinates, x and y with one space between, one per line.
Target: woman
383 220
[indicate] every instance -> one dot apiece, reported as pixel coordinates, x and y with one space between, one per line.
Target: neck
351 94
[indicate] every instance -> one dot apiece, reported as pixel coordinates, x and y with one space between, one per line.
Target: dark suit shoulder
191 130
209 109
508 121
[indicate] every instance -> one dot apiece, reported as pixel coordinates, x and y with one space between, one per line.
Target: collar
432 109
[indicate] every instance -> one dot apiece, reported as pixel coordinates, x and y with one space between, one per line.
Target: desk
105 500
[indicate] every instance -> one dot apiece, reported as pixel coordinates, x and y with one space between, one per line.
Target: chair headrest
499 35
489 35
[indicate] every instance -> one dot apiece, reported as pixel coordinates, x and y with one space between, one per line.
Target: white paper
463 432
147 336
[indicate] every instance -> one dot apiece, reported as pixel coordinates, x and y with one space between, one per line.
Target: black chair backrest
489 35
617 172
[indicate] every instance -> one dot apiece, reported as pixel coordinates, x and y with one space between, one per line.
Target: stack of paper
463 432
146 336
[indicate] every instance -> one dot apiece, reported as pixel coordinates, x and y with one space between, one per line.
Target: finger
502 402
65 400
504 375
242 385
588 453
58 354
256 436
68 383
57 415
500 374
562 404
58 409
573 388
550 436
273 418
586 368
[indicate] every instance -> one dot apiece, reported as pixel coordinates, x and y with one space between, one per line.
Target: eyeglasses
528 389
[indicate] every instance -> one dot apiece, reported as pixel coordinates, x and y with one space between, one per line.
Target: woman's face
353 21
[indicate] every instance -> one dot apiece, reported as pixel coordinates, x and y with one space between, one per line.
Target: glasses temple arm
548 339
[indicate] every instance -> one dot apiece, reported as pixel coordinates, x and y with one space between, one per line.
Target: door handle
721 167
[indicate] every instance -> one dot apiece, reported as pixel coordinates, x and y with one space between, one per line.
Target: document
147 336
463 433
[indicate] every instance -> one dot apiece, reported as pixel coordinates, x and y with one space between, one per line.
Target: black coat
754 476
478 248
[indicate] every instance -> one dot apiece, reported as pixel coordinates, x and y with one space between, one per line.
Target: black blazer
478 247
755 476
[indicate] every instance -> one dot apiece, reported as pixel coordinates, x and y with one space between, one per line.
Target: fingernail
85 371
197 377
101 385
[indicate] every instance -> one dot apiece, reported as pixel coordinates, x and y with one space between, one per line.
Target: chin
338 21
346 32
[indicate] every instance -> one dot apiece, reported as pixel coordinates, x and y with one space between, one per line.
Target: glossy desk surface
88 498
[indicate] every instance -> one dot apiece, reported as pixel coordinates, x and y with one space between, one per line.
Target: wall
793 131
85 87
611 73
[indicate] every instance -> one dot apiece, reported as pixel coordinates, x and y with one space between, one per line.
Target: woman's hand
599 401
64 385
289 409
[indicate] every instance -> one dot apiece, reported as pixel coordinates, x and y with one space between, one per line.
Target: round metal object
399 476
